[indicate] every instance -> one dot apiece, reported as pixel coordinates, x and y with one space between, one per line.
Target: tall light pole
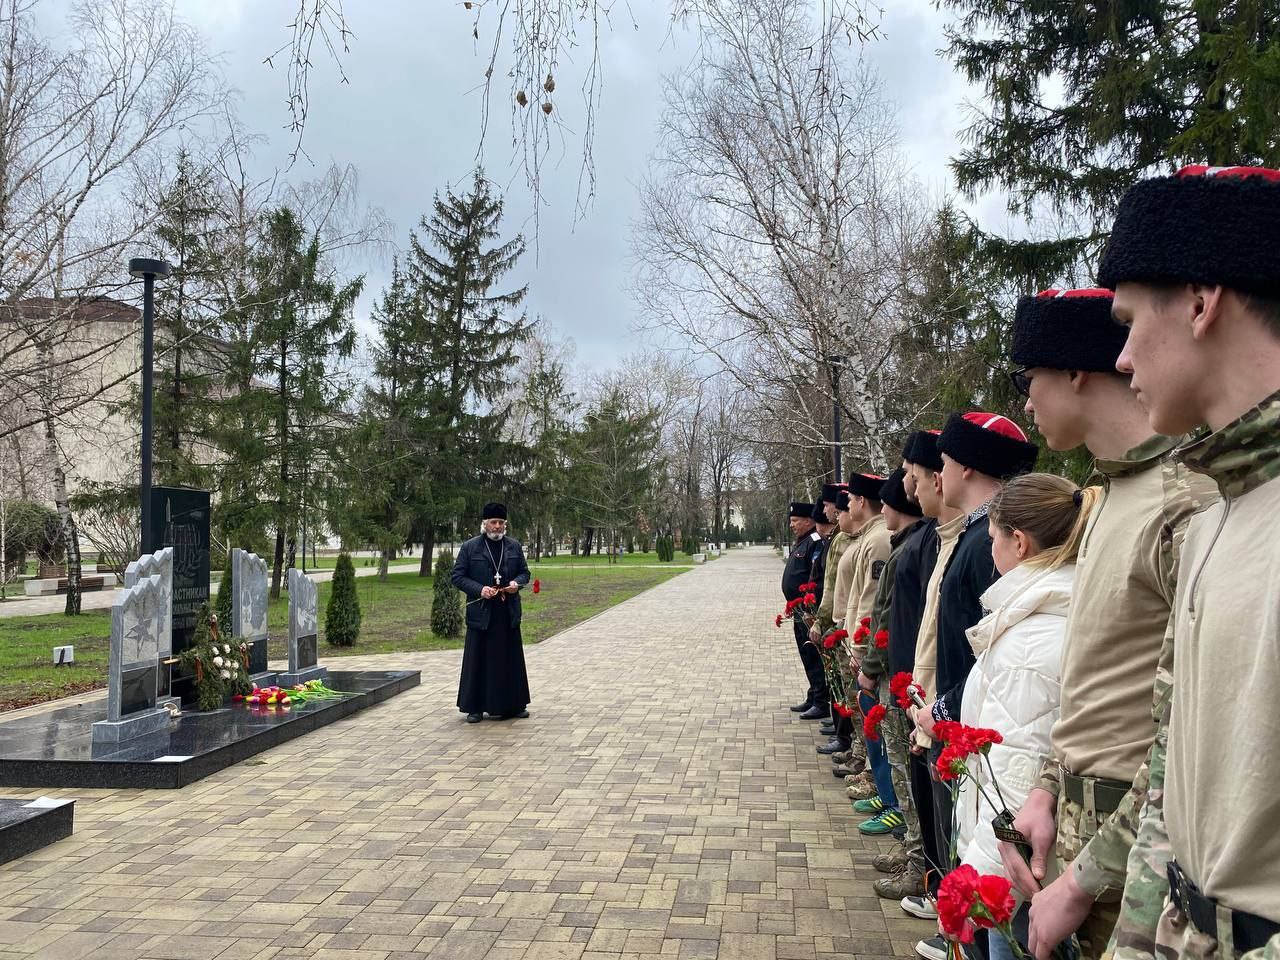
834 362
148 270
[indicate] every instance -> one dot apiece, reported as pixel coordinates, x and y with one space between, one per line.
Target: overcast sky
409 120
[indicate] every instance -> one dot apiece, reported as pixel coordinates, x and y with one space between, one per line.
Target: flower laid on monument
217 674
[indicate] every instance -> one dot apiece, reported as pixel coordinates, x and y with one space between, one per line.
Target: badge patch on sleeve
877 568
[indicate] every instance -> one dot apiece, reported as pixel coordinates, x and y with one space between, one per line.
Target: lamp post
834 362
148 270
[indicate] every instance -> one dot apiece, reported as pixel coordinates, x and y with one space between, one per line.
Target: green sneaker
870 805
884 822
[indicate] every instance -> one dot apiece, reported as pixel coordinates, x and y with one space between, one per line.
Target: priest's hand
488 593
511 587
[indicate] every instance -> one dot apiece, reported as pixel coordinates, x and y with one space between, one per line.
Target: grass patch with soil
396 618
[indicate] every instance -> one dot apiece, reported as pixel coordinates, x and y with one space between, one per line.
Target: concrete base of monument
56 748
144 723
28 825
302 676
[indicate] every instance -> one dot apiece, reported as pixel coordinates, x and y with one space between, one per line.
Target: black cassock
493 674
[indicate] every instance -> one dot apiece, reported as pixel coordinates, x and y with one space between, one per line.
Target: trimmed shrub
342 618
446 601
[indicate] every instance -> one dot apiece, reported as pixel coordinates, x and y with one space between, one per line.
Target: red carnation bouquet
804 606
905 691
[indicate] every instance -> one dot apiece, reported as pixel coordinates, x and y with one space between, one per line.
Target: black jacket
473 571
818 567
799 568
910 575
968 575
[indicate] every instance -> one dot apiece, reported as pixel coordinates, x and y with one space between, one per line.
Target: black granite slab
24 829
56 748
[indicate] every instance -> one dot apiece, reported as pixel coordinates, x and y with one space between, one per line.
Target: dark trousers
844 731
922 796
812 662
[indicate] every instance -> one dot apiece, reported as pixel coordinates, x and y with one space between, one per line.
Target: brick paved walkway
660 803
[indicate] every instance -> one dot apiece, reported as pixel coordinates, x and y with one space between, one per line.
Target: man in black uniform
799 570
490 570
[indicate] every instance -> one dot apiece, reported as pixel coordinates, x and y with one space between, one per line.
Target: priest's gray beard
493 536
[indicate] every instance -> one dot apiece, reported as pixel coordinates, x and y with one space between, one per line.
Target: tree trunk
384 562
587 537
428 554
70 536
277 562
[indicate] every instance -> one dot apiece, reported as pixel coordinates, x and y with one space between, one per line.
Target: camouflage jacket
1240 456
836 547
1102 865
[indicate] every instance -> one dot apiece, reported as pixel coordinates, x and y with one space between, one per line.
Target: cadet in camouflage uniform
1092 786
1196 269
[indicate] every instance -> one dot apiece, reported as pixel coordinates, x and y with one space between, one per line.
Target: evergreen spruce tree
446 601
303 326
1148 87
452 269
342 617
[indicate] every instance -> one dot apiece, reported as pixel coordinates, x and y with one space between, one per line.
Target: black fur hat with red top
865 485
1210 225
988 443
1067 330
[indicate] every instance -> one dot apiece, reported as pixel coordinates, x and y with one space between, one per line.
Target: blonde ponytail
1051 510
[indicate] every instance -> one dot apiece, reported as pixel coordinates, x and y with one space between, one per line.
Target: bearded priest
491 570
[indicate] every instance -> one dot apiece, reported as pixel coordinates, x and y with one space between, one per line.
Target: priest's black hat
894 494
989 443
494 511
801 509
1210 225
1067 330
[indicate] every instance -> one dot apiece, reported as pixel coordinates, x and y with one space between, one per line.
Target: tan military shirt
926 668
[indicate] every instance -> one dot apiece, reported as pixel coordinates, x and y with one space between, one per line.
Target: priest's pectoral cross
497 579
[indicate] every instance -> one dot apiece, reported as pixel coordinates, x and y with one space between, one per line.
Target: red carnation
882 639
843 710
810 599
951 763
866 622
871 722
840 635
777 622
829 641
956 896
860 635
537 586
997 899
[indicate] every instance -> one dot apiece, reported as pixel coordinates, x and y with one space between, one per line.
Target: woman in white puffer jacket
1036 524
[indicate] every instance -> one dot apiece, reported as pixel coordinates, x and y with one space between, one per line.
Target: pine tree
446 605
451 271
1148 87
342 616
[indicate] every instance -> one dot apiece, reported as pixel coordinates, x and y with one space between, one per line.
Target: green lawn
396 618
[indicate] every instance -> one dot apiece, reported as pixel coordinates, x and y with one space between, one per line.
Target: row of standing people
1123 638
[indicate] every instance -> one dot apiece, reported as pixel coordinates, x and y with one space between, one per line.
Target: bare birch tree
77 125
780 228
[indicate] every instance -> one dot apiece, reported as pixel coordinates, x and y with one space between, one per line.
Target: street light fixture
834 362
147 270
